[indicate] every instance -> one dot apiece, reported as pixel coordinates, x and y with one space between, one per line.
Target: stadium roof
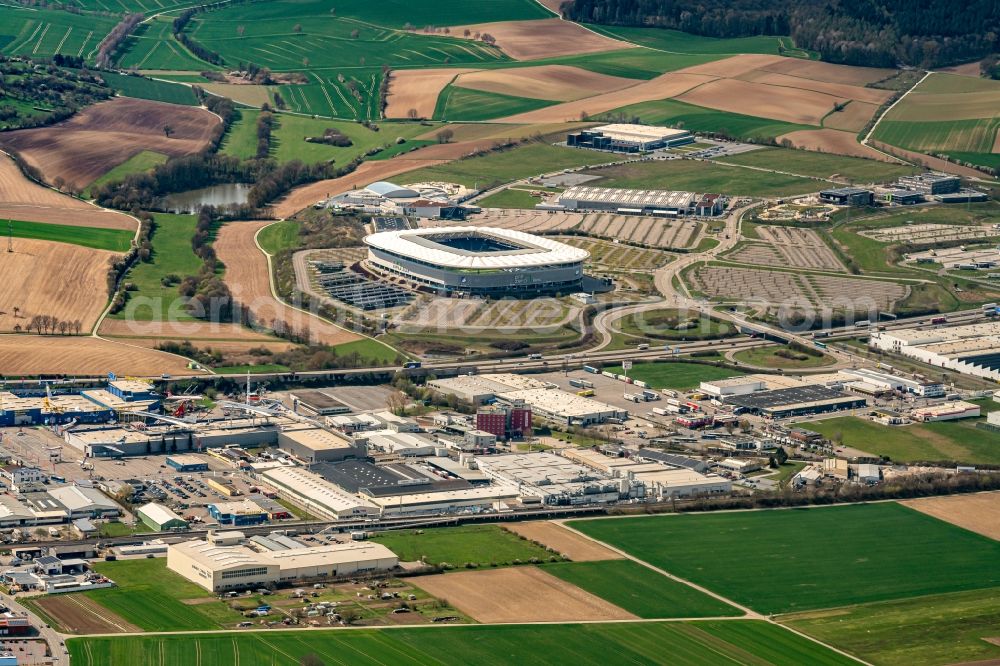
531 251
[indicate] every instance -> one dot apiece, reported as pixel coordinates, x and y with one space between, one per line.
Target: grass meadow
821 165
640 590
700 176
687 644
141 162
116 240
482 544
781 561
675 41
678 375
456 103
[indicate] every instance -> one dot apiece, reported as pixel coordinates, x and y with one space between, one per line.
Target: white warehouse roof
532 250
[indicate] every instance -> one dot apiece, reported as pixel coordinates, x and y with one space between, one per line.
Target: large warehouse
217 567
629 138
667 203
483 261
973 349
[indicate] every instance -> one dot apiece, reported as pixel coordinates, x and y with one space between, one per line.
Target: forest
876 33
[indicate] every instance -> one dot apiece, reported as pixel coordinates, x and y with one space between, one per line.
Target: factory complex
119 398
972 349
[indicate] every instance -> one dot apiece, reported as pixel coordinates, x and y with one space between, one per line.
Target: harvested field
789 104
519 594
476 131
774 289
57 355
226 338
368 172
735 66
417 89
58 279
859 93
554 82
249 278
78 614
935 163
824 71
545 38
852 118
832 141
966 69
947 106
251 95
666 85
569 544
102 136
978 513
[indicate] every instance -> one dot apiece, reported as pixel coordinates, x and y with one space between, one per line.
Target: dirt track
417 89
80 615
102 136
544 38
570 544
250 282
518 594
57 279
978 513
57 355
368 172
559 83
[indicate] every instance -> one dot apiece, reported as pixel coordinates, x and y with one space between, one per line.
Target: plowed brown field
519 594
824 71
57 355
978 513
368 172
859 93
544 38
102 136
559 83
249 278
667 85
78 614
574 546
789 104
48 278
417 89
832 141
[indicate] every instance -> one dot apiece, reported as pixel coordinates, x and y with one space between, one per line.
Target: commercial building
481 389
557 406
903 197
796 401
218 568
723 388
83 501
629 138
482 261
238 514
317 495
159 518
20 476
187 463
931 183
403 444
963 196
505 421
555 480
389 199
848 196
973 349
477 499
948 411
317 445
666 203
659 481
889 382
317 403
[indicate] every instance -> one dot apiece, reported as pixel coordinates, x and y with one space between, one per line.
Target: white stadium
483 261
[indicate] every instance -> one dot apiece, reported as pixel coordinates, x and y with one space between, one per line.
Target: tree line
109 46
875 33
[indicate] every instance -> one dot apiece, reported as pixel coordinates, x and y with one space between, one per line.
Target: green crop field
699 176
157 91
939 629
960 441
130 6
482 544
704 643
810 558
509 199
675 41
241 137
116 240
941 83
152 46
172 255
457 103
940 136
152 597
36 32
628 63
821 165
141 162
288 138
699 119
523 161
640 590
678 375
372 351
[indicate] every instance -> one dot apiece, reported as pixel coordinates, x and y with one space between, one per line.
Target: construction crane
47 401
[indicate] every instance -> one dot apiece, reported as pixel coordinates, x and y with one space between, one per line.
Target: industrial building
82 500
99 405
640 202
239 513
874 382
659 481
629 138
159 518
317 403
556 480
948 411
482 389
187 463
732 386
848 196
796 401
317 445
972 349
218 568
483 261
562 407
317 495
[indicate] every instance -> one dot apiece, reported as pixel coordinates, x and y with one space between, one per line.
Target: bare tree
17 310
355 33
240 29
297 28
63 327
413 114
77 325
445 135
168 131
305 62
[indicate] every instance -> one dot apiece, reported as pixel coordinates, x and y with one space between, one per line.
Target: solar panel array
361 292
